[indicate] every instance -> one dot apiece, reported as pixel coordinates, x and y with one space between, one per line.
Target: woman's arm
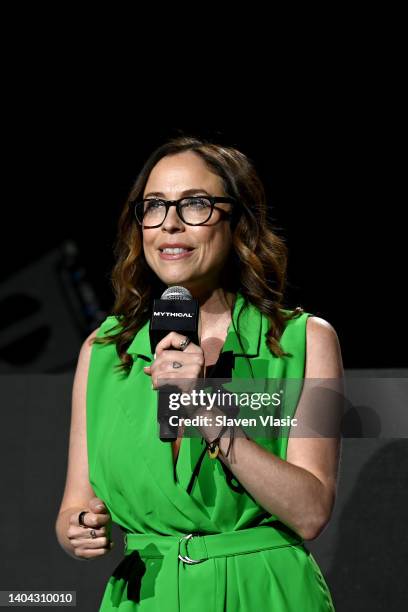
78 491
301 490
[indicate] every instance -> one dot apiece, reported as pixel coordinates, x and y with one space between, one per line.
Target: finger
98 505
169 356
166 354
91 543
100 532
95 520
74 533
91 553
173 340
74 519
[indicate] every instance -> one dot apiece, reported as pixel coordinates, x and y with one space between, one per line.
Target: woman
217 530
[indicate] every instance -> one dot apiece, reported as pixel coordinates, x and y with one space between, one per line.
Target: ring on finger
93 533
184 343
81 518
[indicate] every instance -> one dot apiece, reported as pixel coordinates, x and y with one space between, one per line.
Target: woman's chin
174 279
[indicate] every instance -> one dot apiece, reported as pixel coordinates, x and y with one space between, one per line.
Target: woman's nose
172 220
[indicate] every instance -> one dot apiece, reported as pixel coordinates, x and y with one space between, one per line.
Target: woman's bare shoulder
85 352
319 327
323 354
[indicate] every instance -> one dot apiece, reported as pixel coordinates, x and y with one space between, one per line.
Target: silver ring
186 559
185 343
177 364
93 533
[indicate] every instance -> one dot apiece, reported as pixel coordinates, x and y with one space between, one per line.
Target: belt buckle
186 559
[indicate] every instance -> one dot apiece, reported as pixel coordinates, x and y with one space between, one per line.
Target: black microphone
178 311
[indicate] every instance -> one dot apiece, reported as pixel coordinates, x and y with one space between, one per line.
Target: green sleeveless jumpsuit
247 559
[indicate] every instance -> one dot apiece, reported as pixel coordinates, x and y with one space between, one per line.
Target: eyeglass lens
192 210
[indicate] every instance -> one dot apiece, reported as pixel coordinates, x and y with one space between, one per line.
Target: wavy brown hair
257 252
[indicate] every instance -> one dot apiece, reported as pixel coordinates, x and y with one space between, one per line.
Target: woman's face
174 177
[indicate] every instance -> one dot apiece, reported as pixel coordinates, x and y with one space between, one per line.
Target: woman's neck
215 315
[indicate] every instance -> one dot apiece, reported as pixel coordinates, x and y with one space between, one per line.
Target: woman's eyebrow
183 193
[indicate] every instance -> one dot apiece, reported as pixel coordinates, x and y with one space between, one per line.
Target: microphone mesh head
176 293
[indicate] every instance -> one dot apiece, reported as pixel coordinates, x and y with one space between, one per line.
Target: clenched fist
170 363
94 539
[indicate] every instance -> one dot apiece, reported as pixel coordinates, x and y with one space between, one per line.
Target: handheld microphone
178 311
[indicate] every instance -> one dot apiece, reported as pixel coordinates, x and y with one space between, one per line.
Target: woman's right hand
97 519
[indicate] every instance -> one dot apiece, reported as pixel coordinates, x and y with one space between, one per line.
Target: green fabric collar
250 327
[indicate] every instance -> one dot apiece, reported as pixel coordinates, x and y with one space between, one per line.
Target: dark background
332 183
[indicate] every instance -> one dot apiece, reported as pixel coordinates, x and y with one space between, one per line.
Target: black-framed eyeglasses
192 210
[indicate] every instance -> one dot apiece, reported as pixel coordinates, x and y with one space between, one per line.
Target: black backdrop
333 192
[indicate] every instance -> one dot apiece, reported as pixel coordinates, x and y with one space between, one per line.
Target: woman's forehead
177 174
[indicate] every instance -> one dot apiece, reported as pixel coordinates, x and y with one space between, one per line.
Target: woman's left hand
191 359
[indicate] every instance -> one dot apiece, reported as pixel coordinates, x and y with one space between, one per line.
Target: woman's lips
175 255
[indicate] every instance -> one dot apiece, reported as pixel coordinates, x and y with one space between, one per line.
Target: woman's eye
152 204
196 202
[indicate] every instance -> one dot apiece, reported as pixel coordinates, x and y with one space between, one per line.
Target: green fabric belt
181 551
